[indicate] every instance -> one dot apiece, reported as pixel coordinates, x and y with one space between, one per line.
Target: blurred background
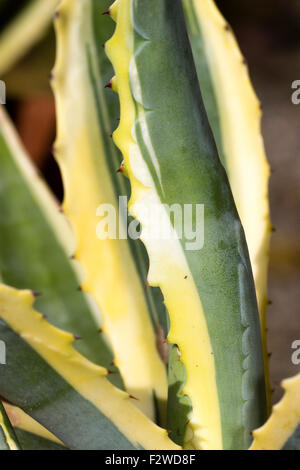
269 36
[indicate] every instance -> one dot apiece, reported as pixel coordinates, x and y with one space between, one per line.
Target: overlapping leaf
62 390
87 114
234 115
170 157
36 246
31 435
281 431
8 438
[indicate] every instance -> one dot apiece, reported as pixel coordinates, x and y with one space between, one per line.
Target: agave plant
140 344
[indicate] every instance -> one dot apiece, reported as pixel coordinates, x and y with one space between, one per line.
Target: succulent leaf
281 431
36 245
293 443
89 162
8 438
30 24
30 434
29 441
62 390
234 114
209 293
179 404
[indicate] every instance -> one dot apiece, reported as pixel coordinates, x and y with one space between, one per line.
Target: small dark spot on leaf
36 294
134 398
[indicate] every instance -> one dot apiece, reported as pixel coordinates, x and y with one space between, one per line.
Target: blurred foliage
9 9
30 77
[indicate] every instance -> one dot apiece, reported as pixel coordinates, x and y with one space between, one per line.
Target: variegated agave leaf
62 390
234 114
31 435
36 247
282 430
171 158
87 114
8 438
